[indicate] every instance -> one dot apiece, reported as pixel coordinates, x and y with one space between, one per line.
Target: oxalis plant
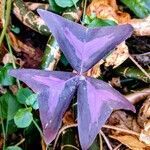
83 47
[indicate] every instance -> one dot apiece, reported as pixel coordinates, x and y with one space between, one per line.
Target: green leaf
11 127
23 94
8 106
5 79
95 145
23 117
132 72
100 23
66 3
93 22
64 60
15 29
67 138
32 101
13 148
141 8
87 20
54 7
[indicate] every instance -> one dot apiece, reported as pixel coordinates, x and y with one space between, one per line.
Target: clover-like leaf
32 101
13 148
8 106
84 47
55 93
66 3
99 101
23 94
6 79
23 117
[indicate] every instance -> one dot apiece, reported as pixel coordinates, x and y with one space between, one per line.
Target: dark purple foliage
83 48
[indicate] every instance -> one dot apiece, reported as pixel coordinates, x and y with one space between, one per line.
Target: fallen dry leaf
43 145
68 118
8 58
145 134
143 59
115 82
144 113
126 121
31 57
19 46
131 141
3 51
107 9
123 120
118 56
95 71
1 13
1 142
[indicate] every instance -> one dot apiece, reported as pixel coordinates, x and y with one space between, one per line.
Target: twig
106 140
71 146
122 130
141 26
104 126
20 142
60 131
100 142
134 61
117 147
138 95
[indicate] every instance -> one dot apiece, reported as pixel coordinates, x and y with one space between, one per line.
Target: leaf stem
3 129
38 128
84 9
13 61
18 82
75 5
8 11
3 11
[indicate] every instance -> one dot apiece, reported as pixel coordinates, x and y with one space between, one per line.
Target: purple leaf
56 90
29 77
96 101
53 103
84 47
